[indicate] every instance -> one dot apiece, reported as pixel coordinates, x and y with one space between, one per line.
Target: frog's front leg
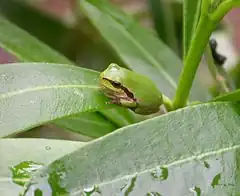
123 101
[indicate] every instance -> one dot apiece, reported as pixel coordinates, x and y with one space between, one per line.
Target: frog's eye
116 84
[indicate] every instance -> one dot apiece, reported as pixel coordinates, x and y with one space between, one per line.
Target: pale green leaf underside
181 139
29 49
36 93
15 151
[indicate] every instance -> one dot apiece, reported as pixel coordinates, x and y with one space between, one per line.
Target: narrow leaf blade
139 48
90 124
25 47
232 96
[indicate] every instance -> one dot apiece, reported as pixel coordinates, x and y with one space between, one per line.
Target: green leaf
121 117
138 47
201 141
25 47
91 124
232 96
191 11
16 152
76 43
37 93
163 18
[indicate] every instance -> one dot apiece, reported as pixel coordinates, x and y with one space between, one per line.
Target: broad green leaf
191 13
27 49
17 152
36 93
232 96
138 47
201 141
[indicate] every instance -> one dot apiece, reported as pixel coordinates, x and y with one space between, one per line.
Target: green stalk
167 103
198 44
223 9
206 25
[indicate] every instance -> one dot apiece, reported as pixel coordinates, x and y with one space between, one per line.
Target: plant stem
167 103
192 60
205 6
223 9
206 25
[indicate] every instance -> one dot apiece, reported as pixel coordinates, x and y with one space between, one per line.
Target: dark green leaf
90 124
158 152
232 96
163 18
121 117
138 47
51 31
25 47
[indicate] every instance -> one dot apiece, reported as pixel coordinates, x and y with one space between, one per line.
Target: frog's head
112 73
110 78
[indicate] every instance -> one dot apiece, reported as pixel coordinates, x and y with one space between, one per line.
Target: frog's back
145 90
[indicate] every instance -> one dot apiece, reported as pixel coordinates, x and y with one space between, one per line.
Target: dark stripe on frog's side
120 86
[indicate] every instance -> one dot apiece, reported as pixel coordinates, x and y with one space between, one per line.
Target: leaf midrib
178 162
151 59
40 88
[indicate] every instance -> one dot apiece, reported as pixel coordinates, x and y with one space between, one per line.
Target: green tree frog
131 90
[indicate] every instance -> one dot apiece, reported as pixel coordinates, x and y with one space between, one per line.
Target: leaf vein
39 88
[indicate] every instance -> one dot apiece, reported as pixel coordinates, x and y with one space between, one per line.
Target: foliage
55 83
